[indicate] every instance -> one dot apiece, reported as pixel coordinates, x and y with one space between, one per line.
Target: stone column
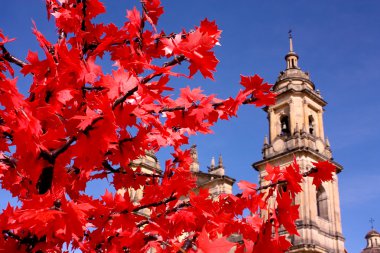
320 125
272 125
305 114
292 116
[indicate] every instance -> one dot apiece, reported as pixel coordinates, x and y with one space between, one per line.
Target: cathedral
296 129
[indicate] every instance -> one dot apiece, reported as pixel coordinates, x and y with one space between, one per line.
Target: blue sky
338 43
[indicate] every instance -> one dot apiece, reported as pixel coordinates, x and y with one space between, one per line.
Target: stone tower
296 129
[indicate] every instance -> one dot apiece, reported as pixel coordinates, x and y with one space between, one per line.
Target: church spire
290 41
291 58
212 165
220 164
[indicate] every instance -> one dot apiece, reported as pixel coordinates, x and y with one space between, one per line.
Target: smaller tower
373 242
212 165
214 179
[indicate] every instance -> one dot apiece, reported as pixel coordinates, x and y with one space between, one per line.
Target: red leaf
287 213
247 188
325 171
293 178
206 245
87 119
153 10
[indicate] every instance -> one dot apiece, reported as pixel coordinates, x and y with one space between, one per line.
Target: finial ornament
220 164
290 40
303 131
266 141
371 221
212 165
327 142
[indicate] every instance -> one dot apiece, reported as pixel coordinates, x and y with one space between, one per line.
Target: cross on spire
291 58
371 221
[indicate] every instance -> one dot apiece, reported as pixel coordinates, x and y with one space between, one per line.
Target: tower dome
373 242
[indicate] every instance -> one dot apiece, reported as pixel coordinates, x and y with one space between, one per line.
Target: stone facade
296 130
214 179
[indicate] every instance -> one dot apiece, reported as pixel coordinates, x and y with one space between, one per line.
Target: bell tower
296 129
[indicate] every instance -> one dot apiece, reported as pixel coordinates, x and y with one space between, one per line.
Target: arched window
322 205
285 125
311 125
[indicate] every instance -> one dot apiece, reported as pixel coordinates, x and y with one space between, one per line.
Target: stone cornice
146 165
215 177
311 94
313 225
293 151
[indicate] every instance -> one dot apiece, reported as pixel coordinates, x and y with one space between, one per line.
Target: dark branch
52 155
96 88
110 169
84 8
173 210
12 235
154 204
30 240
45 179
9 161
186 245
63 148
177 60
215 105
10 58
120 100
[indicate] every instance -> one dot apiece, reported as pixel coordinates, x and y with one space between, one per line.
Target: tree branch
173 210
110 169
9 161
215 105
10 58
29 240
64 147
95 88
121 99
186 245
154 204
84 8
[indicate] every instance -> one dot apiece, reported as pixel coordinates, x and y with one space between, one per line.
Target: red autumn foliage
79 123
